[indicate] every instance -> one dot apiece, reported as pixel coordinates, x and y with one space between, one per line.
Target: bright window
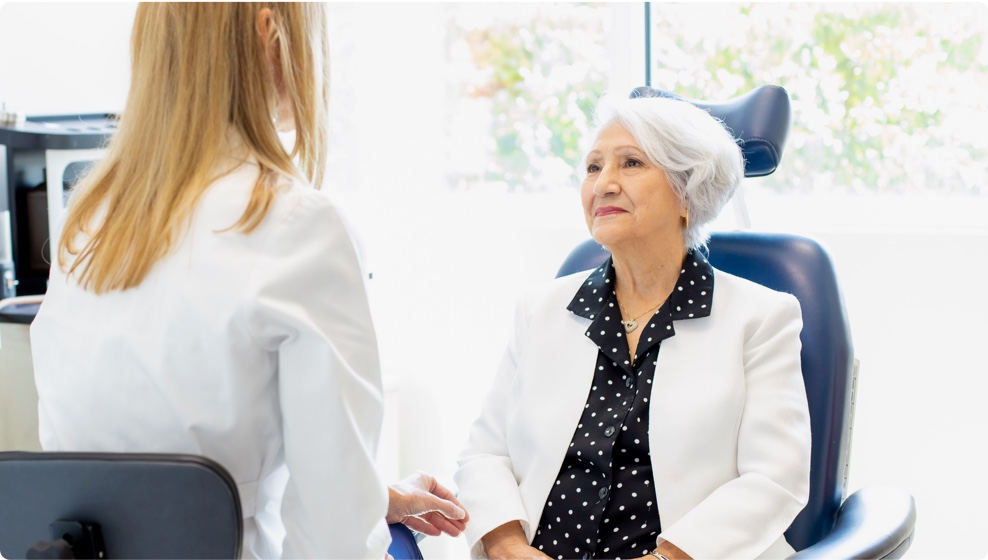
886 165
886 98
457 131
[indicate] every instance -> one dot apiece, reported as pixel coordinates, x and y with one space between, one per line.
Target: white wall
65 58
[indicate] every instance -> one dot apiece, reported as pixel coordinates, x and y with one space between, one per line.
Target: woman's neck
646 275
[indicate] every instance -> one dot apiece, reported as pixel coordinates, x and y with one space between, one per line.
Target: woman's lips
608 211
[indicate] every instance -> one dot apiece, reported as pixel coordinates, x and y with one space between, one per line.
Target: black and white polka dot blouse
603 503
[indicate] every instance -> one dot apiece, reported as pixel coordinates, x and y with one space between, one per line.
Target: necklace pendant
629 325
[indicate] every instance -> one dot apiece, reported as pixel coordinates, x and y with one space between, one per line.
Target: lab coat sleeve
743 517
312 311
488 487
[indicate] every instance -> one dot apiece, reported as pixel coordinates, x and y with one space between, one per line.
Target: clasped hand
422 504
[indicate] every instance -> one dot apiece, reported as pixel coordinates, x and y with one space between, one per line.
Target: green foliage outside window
887 98
537 71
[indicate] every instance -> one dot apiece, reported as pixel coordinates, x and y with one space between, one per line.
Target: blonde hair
198 71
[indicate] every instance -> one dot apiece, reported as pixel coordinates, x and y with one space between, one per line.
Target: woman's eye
634 163
593 168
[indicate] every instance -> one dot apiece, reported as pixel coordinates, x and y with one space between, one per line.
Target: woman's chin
606 238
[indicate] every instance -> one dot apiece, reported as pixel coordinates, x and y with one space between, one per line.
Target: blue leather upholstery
801 267
759 119
404 545
875 524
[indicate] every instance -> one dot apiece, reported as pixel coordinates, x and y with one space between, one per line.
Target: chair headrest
759 119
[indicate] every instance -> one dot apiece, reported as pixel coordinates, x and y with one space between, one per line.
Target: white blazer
729 428
254 350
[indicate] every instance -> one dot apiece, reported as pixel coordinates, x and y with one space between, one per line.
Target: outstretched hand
422 504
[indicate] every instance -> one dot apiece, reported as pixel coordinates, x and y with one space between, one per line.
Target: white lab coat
729 430
254 350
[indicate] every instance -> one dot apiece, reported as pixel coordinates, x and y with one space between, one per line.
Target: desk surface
22 313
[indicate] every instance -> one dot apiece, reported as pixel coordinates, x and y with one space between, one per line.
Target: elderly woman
655 406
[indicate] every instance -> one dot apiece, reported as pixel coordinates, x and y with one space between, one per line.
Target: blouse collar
691 298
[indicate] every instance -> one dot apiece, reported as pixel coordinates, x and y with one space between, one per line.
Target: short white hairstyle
701 159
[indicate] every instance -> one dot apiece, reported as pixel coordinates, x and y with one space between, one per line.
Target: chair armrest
404 543
874 522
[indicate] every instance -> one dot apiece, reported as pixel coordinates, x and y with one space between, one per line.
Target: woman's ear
267 28
269 39
265 25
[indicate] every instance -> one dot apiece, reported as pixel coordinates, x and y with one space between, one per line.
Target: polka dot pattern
603 502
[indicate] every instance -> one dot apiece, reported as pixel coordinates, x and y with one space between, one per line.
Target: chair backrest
759 119
146 505
801 267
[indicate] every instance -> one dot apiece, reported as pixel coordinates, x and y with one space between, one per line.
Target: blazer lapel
561 378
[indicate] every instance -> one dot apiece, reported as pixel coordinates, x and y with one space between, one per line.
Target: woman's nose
606 182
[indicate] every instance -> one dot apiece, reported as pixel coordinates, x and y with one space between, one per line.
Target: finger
416 524
438 489
457 508
450 510
439 522
444 493
459 524
448 506
442 524
428 483
466 514
424 503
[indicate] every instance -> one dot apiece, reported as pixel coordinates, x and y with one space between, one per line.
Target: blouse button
609 431
586 556
602 493
629 382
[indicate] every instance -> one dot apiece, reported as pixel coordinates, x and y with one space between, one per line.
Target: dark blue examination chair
873 522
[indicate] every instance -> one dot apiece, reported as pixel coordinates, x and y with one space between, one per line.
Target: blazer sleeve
312 311
743 517
488 486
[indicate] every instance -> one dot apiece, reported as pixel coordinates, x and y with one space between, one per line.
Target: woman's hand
422 504
667 549
508 542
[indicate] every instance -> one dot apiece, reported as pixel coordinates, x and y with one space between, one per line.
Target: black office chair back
145 505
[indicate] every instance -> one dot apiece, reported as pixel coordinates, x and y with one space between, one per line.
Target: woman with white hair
654 407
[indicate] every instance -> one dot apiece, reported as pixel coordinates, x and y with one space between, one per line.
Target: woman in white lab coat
206 299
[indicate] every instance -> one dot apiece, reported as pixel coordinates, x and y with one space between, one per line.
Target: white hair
702 161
